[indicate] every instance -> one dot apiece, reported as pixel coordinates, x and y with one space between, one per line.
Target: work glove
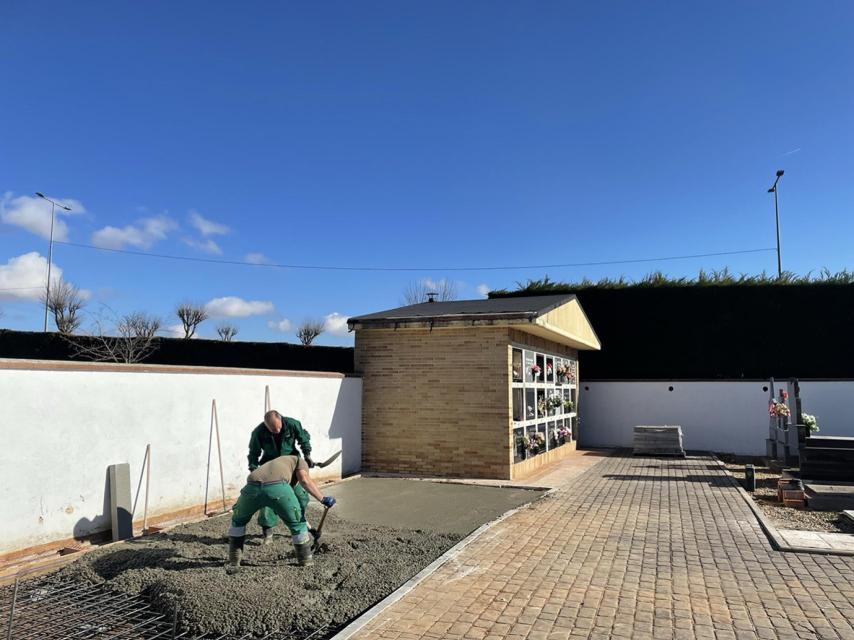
309 462
328 501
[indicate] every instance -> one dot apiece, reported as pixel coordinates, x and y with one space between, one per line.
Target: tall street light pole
773 190
53 206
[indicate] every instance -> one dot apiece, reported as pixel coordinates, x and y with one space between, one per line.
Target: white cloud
207 227
33 214
174 331
256 258
234 307
142 234
208 246
484 289
283 325
336 324
431 284
24 277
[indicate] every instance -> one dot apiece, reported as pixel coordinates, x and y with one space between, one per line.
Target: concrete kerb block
121 505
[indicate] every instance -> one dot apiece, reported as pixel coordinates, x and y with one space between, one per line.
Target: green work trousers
274 501
267 517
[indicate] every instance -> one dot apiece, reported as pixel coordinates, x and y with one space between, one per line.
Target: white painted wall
729 417
60 430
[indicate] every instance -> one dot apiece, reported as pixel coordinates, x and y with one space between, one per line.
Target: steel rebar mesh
52 609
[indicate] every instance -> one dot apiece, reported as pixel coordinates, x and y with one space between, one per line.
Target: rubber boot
235 553
305 558
268 535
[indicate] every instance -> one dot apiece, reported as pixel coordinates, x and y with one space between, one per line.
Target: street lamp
773 190
53 206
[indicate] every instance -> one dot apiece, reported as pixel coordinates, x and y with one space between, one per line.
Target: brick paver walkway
633 548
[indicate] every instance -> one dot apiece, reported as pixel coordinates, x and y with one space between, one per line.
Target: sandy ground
786 517
381 533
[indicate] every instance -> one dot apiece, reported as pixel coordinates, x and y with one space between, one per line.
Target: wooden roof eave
445 321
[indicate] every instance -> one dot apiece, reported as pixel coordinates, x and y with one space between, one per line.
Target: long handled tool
317 531
326 463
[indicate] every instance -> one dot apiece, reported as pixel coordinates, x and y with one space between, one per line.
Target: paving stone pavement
632 548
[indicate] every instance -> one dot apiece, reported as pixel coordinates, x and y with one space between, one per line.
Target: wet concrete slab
381 533
432 506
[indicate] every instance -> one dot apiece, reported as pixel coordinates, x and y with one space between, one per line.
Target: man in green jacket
278 436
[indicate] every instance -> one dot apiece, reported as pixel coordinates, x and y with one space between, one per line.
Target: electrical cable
164 256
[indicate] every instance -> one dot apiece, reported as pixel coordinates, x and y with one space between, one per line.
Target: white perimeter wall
59 430
728 417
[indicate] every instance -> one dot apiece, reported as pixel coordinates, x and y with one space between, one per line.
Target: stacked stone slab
658 441
829 458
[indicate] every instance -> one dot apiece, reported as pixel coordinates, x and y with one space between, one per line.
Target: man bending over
272 486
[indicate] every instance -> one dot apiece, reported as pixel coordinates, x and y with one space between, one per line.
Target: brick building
474 388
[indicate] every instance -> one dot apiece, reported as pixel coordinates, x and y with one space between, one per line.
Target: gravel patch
785 517
357 565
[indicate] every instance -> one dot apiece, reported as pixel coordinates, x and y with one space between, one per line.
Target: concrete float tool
329 461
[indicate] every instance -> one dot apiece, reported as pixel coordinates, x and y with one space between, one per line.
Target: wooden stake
266 399
210 446
219 455
147 484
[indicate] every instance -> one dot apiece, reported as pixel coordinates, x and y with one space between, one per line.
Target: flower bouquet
548 371
563 373
537 443
778 410
810 422
530 412
553 403
541 406
563 435
536 371
568 406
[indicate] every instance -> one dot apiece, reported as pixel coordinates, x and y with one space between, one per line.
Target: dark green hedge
208 353
719 332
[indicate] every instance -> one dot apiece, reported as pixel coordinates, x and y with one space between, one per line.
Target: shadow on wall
86 526
345 427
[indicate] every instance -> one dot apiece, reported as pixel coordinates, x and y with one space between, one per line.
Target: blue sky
390 134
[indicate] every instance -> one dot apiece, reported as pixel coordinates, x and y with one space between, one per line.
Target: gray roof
509 308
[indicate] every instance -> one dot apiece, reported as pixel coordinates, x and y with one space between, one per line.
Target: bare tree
226 332
191 316
134 340
416 292
309 330
139 325
65 302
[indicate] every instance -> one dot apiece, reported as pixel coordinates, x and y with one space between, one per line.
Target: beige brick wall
435 402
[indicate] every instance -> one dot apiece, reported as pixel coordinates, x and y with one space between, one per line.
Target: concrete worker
272 486
278 436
